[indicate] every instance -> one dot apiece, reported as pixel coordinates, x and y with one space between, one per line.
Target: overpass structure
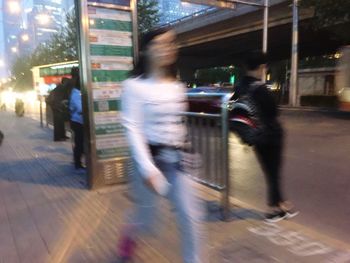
221 37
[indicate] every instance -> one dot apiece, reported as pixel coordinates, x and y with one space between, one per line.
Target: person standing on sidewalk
1 137
57 95
76 120
269 146
152 101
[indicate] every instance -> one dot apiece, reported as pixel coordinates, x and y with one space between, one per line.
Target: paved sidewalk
48 215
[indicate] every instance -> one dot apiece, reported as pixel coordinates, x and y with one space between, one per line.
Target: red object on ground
126 248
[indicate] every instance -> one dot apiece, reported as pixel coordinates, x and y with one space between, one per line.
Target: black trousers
269 155
59 131
78 149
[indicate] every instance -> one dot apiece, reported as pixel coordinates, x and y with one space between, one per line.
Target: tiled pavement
47 214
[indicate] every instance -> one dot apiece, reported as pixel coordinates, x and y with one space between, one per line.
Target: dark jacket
265 103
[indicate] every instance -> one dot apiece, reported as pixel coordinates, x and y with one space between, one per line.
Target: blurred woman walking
152 101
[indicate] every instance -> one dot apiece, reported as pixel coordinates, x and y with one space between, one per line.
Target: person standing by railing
268 142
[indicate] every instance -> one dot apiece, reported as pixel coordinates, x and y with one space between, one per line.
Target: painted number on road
299 244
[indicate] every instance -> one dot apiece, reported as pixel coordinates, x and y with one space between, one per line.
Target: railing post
220 181
41 111
225 162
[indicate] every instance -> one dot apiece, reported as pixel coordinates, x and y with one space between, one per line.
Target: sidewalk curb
316 109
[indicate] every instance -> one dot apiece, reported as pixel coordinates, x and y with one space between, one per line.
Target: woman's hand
158 184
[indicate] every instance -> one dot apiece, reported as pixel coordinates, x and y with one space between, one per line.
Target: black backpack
245 118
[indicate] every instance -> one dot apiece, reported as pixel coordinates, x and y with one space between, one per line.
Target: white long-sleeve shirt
151 115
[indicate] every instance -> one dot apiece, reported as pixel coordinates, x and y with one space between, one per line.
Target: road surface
316 171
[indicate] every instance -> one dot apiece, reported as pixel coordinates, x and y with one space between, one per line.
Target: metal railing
208 134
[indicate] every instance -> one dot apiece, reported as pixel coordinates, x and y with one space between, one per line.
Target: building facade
27 23
3 71
43 19
12 26
317 81
171 10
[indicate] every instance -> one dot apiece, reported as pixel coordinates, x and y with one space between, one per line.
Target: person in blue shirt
76 120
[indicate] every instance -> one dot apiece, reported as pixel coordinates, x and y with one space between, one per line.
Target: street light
43 19
25 37
14 7
2 63
14 49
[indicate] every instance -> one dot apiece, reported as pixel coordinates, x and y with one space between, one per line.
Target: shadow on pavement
215 213
44 172
52 149
40 136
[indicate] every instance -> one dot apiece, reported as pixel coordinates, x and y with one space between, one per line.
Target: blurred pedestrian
19 107
2 104
76 120
1 137
59 111
151 102
268 144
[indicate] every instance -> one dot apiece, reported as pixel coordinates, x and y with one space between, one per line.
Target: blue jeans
189 209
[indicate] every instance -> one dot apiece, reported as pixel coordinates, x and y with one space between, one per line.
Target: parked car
210 104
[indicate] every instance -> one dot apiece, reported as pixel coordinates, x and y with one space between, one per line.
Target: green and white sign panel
106 58
111 56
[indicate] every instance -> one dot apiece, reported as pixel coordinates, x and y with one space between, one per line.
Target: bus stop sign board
107 56
216 3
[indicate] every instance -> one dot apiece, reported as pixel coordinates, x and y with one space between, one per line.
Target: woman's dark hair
141 68
254 59
75 81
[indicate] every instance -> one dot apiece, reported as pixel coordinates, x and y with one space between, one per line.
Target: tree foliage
61 47
217 75
329 12
21 70
278 71
333 15
148 15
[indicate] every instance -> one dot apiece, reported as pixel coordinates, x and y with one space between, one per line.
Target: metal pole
293 87
225 149
41 111
266 26
133 5
86 88
265 35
